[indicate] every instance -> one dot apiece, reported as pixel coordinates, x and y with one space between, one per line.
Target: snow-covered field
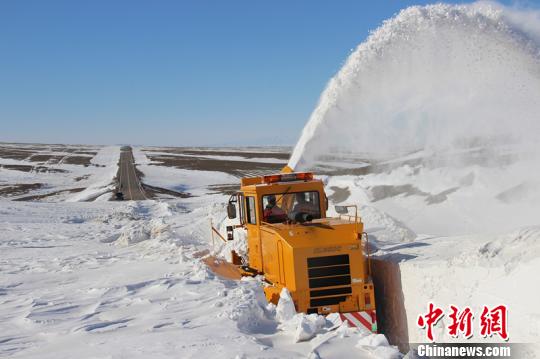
125 279
181 180
57 172
114 279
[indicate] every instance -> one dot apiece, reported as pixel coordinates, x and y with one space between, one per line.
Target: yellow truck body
323 262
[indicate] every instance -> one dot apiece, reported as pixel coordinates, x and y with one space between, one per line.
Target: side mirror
230 233
231 210
342 209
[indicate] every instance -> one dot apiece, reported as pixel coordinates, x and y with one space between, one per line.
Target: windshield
280 207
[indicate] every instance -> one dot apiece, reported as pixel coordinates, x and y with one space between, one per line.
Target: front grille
328 261
329 281
329 271
331 291
326 301
325 272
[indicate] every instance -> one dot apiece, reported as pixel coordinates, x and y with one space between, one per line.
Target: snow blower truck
323 262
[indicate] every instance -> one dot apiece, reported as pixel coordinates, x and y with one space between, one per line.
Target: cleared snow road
130 185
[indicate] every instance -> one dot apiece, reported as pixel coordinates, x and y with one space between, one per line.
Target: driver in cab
303 206
272 212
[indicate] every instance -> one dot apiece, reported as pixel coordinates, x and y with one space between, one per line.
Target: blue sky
178 73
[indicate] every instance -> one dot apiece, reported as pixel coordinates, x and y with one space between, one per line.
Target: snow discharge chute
435 77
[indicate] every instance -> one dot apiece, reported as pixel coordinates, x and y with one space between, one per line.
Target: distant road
129 182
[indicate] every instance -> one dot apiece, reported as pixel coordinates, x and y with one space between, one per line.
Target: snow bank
100 182
444 199
473 249
181 180
136 232
383 228
466 271
139 156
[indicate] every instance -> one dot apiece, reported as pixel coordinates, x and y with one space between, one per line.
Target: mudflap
366 319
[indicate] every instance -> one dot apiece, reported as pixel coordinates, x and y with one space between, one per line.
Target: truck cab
322 261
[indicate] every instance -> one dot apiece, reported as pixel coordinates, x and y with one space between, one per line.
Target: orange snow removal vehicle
322 261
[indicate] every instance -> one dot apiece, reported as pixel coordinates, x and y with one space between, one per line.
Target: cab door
254 235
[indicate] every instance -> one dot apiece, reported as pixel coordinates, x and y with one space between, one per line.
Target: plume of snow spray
433 77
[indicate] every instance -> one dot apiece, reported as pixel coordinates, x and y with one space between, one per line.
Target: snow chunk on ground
374 340
135 233
309 326
378 346
250 310
348 342
285 308
304 327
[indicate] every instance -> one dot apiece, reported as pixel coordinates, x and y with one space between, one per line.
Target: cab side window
250 210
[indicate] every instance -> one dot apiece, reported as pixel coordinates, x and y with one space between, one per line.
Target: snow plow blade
222 268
